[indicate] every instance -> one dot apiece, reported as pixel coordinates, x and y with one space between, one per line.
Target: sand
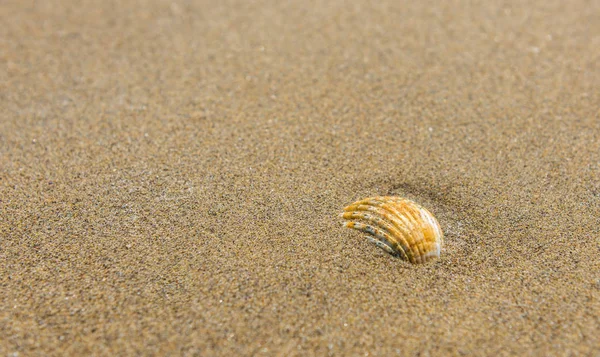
171 174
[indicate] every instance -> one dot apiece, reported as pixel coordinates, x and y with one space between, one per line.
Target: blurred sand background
171 174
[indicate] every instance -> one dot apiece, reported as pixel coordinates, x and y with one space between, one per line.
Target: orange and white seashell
398 225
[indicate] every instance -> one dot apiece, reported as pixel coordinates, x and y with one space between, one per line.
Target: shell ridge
434 223
434 229
382 236
411 228
381 222
413 213
392 215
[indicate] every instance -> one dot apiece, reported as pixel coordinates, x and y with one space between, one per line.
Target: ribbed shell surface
398 225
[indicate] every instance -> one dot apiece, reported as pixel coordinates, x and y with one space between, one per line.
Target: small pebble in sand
399 226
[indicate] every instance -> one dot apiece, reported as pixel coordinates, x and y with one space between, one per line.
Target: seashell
399 226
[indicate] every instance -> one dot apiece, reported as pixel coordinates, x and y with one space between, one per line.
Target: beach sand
171 175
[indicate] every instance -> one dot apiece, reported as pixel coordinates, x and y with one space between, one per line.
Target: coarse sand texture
172 175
